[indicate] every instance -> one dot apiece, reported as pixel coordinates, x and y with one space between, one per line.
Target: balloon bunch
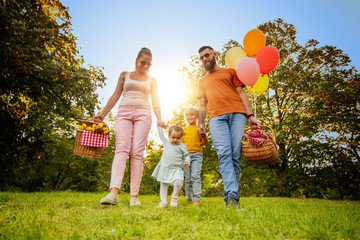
254 62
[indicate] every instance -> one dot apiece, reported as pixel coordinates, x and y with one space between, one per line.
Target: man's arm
202 116
253 122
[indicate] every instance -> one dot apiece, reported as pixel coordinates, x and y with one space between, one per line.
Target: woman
132 125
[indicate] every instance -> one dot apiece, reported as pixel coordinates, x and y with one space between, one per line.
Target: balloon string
255 104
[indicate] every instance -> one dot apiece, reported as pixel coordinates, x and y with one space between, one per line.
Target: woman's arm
155 102
113 99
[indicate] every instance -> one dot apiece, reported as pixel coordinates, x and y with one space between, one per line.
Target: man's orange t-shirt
219 89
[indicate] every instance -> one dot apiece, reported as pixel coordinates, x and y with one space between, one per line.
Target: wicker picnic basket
86 151
267 153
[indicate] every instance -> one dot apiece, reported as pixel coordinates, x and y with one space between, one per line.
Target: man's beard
211 65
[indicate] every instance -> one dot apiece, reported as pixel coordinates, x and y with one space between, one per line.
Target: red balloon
268 57
248 71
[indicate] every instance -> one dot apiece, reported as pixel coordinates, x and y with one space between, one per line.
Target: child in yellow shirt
194 143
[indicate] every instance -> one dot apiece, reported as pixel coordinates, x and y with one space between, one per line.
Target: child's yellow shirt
192 139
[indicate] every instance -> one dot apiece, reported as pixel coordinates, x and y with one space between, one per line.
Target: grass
73 215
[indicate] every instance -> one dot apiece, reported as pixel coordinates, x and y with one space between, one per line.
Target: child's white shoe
134 202
174 201
162 205
110 199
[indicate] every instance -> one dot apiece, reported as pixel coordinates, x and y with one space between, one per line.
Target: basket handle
272 135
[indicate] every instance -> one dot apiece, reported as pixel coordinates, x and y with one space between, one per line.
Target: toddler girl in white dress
170 168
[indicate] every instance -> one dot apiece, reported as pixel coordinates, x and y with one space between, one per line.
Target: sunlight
171 89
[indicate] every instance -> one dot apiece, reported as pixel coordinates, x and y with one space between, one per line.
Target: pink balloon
248 71
268 57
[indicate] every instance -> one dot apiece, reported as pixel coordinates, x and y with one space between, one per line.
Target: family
220 93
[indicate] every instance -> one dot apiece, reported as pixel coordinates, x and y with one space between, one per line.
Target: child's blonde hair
176 128
192 109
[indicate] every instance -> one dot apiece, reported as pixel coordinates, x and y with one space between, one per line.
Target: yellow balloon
260 86
233 56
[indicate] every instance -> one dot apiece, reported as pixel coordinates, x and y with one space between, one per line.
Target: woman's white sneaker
134 202
110 199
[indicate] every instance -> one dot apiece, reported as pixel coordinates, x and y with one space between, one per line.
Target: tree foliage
313 104
44 87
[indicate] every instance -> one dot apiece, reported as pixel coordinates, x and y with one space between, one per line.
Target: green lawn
72 215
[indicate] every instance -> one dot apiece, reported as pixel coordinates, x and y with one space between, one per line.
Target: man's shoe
232 202
110 199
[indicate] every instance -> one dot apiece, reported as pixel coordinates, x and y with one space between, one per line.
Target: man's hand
201 130
254 123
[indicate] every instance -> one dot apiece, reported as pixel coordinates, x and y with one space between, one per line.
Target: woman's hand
98 118
160 123
186 164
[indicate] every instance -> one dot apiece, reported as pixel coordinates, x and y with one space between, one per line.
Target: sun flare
171 90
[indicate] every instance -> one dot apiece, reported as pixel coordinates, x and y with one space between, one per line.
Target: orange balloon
233 56
260 86
254 40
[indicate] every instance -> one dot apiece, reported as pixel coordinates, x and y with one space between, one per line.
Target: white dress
172 161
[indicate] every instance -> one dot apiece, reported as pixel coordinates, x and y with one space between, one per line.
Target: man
229 106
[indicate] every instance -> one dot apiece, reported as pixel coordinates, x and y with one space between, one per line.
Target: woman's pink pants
132 127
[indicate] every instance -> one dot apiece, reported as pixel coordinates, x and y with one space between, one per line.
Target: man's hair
176 128
205 47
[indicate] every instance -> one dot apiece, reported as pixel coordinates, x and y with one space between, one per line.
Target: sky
110 33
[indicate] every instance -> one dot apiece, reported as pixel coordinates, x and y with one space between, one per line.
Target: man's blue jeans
192 177
226 134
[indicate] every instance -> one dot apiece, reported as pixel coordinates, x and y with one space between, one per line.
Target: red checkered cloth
94 139
257 137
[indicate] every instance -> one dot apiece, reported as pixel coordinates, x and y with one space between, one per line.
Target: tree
44 87
312 103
